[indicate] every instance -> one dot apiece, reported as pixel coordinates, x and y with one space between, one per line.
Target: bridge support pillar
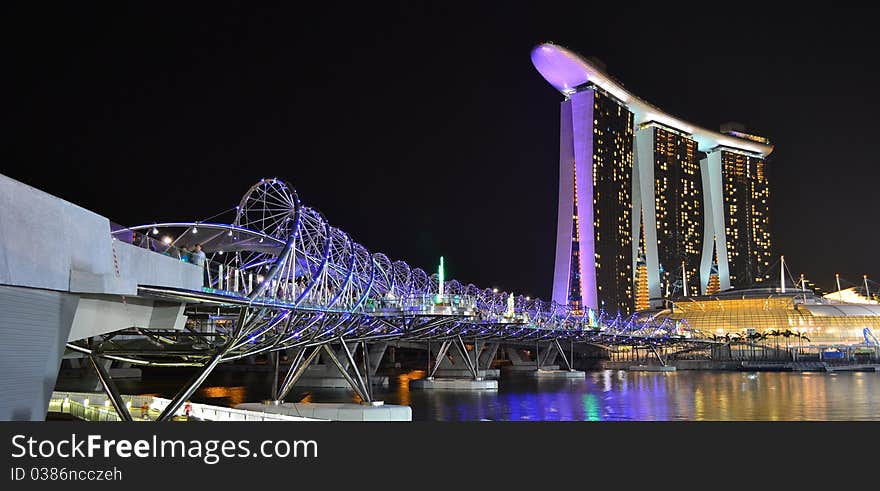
548 357
298 365
377 353
554 350
487 356
360 383
468 372
520 363
110 388
194 383
451 364
105 366
322 372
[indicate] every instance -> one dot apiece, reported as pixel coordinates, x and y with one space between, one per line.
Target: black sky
423 129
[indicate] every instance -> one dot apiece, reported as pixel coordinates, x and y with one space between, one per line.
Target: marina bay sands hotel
650 206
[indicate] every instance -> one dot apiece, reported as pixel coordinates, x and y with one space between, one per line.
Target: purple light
562 69
576 146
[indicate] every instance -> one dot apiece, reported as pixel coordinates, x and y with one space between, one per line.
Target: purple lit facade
593 242
575 158
593 261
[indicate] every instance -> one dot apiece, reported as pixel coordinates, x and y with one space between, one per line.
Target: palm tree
805 338
787 334
801 337
727 343
775 333
757 339
737 339
764 337
752 337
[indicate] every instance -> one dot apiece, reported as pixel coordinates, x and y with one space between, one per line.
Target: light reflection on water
604 395
231 396
403 379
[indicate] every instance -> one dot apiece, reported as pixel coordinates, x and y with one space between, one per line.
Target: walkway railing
96 407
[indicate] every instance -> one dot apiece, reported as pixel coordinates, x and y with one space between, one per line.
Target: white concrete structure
714 232
556 374
643 199
453 384
63 278
94 406
565 70
333 411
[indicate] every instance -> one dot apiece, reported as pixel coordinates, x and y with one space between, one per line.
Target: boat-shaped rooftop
567 71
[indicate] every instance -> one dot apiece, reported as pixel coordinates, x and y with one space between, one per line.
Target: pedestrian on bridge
198 258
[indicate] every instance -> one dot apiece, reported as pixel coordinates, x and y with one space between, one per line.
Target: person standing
197 257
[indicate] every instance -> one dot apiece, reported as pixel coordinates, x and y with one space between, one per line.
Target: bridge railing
225 279
150 243
96 407
218 278
435 303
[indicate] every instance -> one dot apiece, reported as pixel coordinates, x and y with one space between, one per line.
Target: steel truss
281 278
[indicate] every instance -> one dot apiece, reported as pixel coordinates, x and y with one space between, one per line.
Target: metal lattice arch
278 250
279 277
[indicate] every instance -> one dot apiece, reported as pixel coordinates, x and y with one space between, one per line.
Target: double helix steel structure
279 276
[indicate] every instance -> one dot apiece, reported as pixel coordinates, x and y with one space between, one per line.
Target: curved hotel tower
644 193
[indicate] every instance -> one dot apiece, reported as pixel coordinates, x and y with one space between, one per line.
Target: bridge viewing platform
273 277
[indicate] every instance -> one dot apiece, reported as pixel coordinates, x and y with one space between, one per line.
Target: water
604 396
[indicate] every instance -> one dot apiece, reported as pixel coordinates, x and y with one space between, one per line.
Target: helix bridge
280 277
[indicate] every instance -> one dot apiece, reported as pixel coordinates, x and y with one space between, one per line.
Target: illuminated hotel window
742 185
678 206
612 182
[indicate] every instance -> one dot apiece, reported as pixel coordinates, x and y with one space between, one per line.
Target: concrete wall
145 267
44 238
644 202
34 326
564 217
62 277
49 243
101 314
714 231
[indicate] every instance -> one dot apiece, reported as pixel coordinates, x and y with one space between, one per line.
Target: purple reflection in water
607 395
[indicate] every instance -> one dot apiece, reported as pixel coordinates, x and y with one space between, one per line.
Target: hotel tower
644 193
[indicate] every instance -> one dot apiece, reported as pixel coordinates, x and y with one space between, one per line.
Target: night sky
424 130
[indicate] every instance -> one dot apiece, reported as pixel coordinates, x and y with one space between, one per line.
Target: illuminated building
642 302
821 320
714 285
851 295
650 170
668 191
575 292
740 218
594 266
